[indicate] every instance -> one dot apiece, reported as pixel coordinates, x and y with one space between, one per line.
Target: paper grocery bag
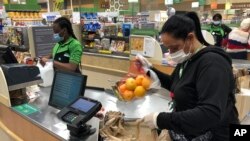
243 103
146 134
244 81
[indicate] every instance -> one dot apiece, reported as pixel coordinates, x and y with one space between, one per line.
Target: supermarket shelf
27 19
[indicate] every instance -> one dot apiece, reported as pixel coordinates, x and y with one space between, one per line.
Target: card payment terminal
78 113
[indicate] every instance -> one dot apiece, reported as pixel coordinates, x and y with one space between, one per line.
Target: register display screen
83 105
66 88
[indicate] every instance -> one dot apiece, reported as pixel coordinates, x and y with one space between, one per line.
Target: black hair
217 15
64 22
179 26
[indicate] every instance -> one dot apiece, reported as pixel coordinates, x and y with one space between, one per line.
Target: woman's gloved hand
146 66
155 82
143 61
151 120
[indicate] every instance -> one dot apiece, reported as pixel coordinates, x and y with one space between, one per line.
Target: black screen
6 55
66 88
83 105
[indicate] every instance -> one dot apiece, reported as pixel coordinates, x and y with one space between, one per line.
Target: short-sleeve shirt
68 52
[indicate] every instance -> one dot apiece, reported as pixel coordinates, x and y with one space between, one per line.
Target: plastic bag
155 82
47 73
136 83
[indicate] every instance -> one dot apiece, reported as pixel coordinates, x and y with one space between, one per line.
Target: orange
146 83
139 79
139 91
130 84
122 88
128 95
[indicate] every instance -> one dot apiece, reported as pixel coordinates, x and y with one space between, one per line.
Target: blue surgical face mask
57 37
216 22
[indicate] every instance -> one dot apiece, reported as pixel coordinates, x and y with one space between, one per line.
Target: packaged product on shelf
120 46
110 30
113 46
98 44
105 43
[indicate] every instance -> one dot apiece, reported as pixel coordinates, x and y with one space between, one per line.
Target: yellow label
58 5
5 1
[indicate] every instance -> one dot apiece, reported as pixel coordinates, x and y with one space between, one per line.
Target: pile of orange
134 87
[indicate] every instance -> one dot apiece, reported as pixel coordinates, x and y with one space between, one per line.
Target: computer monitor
6 55
66 87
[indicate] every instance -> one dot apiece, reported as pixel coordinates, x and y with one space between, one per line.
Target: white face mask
216 22
179 56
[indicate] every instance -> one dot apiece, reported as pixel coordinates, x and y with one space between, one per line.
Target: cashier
202 85
67 52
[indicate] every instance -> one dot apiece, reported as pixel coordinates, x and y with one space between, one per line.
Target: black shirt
203 94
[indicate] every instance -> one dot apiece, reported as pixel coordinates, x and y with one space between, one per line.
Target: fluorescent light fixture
228 5
133 1
169 2
195 4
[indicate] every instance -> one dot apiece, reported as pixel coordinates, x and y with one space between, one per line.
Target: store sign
240 5
202 2
58 5
228 6
104 4
169 2
195 4
133 1
5 1
214 5
177 1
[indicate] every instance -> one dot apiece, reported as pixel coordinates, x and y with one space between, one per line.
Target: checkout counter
39 121
45 125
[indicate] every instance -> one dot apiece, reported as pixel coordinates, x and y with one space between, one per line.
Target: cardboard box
243 103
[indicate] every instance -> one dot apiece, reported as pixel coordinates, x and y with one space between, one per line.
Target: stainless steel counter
156 102
46 117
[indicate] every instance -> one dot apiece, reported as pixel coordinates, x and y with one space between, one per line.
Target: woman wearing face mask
202 85
218 30
67 52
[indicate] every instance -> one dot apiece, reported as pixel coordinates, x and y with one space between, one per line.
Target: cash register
15 78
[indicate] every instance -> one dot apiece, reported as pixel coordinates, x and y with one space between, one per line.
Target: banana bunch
127 52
